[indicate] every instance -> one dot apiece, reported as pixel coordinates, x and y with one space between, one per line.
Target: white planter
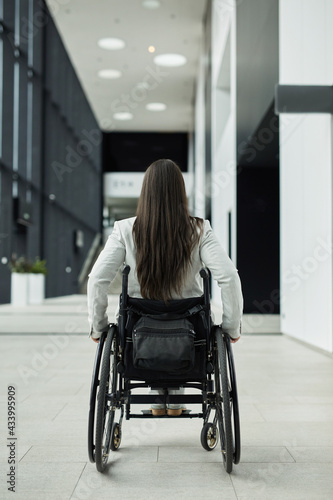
19 289
36 288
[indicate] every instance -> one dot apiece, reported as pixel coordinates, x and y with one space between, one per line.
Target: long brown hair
164 233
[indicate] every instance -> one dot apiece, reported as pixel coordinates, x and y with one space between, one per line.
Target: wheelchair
119 370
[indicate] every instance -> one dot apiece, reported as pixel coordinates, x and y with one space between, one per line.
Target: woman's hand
233 341
95 340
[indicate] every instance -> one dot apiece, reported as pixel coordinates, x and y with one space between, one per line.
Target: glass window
8 7
17 23
16 116
1 93
25 26
30 34
29 130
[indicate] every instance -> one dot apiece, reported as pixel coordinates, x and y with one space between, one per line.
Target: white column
199 146
223 125
306 47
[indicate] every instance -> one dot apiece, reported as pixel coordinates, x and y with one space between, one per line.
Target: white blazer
120 250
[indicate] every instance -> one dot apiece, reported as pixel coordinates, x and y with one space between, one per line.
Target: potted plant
28 281
19 281
36 281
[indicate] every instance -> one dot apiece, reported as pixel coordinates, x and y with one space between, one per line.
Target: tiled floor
286 402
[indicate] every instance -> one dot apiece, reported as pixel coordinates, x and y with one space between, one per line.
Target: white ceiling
175 27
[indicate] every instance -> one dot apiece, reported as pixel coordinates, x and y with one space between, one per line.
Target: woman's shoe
158 410
175 411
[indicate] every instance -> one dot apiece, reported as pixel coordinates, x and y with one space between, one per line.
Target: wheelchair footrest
149 412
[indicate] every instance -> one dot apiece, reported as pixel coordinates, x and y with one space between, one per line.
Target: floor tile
286 405
44 481
312 454
56 454
160 481
286 433
296 412
262 454
182 454
283 481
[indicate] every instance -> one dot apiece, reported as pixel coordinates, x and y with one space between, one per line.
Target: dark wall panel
72 169
7 100
257 53
51 150
135 151
257 56
258 238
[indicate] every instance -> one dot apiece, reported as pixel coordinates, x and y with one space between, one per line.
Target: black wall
258 238
258 255
135 151
257 56
50 150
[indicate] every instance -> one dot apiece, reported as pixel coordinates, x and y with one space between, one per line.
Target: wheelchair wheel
115 437
234 407
209 436
105 407
92 403
223 401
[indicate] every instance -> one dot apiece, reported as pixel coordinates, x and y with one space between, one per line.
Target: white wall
306 47
199 144
190 170
223 126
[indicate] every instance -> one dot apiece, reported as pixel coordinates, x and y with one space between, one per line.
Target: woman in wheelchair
166 249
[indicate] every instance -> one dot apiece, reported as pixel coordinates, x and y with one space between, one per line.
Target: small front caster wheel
209 436
115 437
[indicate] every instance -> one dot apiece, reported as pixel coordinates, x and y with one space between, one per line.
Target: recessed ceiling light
124 115
170 60
151 48
156 106
109 73
111 43
151 4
